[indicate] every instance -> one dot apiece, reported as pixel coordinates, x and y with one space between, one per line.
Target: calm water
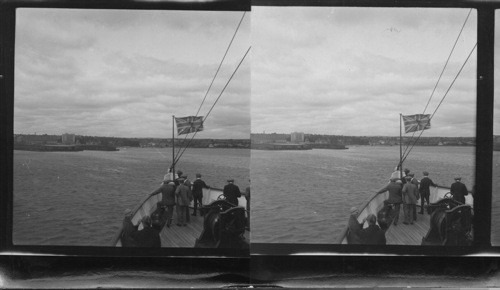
305 196
78 198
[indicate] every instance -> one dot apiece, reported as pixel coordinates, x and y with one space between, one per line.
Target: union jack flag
417 122
186 125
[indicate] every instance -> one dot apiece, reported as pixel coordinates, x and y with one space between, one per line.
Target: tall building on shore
297 137
68 139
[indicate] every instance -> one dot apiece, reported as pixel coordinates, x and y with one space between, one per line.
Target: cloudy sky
125 73
352 71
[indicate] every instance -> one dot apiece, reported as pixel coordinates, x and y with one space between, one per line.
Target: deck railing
376 202
148 205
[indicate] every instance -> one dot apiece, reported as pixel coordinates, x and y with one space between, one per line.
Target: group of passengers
404 189
178 194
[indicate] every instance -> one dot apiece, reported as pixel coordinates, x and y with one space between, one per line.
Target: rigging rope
439 79
213 79
447 91
177 159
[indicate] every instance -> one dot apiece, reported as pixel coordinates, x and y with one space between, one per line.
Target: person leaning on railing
395 199
167 202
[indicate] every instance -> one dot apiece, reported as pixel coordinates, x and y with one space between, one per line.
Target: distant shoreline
63 148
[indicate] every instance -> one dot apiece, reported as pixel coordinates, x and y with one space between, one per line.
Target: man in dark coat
410 192
394 198
148 237
198 186
414 181
128 229
458 190
372 235
167 202
355 228
425 183
231 192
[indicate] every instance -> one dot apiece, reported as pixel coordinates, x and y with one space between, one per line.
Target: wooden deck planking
408 234
183 236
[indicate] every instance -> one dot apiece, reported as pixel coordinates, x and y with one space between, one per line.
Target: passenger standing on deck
373 234
425 192
415 181
179 176
148 237
182 193
458 190
198 186
231 192
410 191
394 198
167 202
405 173
355 228
190 195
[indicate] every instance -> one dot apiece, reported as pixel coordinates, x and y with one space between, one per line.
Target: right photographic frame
364 129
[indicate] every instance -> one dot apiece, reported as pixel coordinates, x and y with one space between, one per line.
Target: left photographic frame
96 152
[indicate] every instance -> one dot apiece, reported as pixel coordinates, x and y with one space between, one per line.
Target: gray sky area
125 73
352 71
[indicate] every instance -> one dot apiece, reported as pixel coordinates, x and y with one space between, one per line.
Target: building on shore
35 139
297 137
268 138
68 139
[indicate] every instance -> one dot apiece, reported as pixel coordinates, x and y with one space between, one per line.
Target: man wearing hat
190 195
414 181
410 192
355 227
395 199
231 192
425 192
458 190
167 202
183 194
198 186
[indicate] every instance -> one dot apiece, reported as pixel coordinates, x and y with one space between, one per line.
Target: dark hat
425 173
230 180
184 176
411 174
179 172
458 178
198 175
407 170
408 177
181 178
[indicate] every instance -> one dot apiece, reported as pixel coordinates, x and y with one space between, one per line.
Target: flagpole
173 147
400 147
